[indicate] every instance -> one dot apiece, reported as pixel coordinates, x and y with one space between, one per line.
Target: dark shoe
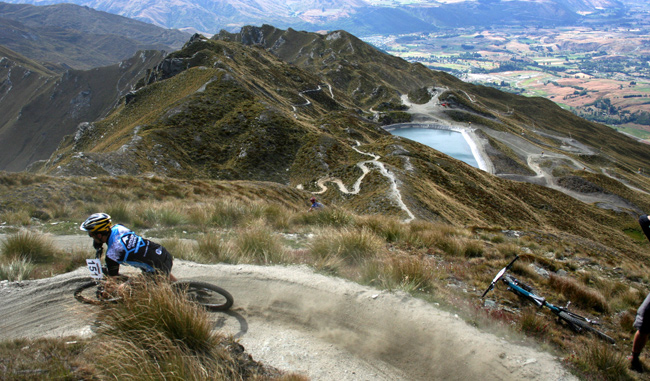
636 364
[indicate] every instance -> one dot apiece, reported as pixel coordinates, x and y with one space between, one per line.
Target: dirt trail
395 193
296 320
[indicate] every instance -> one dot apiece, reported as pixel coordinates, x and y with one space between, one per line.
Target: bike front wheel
213 298
576 322
91 293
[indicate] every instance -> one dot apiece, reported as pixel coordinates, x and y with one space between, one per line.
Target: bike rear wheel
90 293
576 322
213 298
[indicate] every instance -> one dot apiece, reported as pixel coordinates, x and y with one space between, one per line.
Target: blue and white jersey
126 247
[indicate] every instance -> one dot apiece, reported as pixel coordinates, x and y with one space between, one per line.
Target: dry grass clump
155 333
16 218
598 361
259 244
351 245
449 240
404 272
16 270
579 294
330 216
211 248
508 249
42 359
533 324
390 229
29 254
34 247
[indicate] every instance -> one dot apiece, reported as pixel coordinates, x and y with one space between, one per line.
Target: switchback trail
395 193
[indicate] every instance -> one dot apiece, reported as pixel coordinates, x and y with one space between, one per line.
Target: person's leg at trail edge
642 321
640 340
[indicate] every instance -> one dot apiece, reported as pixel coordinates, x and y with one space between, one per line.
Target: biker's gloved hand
97 245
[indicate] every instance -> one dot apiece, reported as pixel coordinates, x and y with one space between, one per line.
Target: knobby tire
204 294
87 293
583 324
213 298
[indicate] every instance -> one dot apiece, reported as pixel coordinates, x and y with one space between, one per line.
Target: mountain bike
576 322
95 291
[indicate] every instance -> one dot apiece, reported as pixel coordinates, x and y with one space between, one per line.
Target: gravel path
294 319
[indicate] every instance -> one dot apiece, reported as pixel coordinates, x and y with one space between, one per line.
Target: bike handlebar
499 275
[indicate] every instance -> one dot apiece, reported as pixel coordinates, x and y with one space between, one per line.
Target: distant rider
315 205
126 247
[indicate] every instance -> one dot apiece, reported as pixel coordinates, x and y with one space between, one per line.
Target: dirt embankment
296 320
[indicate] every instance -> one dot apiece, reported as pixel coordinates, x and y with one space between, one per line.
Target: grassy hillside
222 110
263 223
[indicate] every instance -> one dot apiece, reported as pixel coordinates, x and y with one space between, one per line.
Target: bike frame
575 321
539 301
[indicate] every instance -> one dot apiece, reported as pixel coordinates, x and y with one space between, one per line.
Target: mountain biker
642 321
126 247
315 205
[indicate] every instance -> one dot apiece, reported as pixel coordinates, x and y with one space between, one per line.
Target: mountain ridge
69 36
355 16
222 110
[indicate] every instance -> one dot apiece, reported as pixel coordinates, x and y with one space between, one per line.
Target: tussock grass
155 333
212 248
579 294
330 216
351 245
43 359
258 244
16 270
121 211
228 213
508 249
404 272
17 218
153 306
33 247
600 361
532 324
390 229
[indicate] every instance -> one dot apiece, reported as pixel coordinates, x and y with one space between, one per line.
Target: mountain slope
223 110
38 108
79 37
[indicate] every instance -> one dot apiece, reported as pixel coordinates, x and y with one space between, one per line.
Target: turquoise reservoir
452 143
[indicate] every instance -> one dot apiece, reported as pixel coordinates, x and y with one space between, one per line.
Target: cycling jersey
126 247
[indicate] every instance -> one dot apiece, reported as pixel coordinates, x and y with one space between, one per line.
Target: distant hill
70 36
355 16
39 107
231 108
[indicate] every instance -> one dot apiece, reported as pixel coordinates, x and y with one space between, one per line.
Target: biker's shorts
642 321
163 262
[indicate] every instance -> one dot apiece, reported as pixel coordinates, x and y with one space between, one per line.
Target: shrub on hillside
34 247
579 294
155 333
351 245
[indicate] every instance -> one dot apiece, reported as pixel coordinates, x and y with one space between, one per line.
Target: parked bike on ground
575 322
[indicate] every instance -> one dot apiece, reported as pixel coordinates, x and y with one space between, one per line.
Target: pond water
452 143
